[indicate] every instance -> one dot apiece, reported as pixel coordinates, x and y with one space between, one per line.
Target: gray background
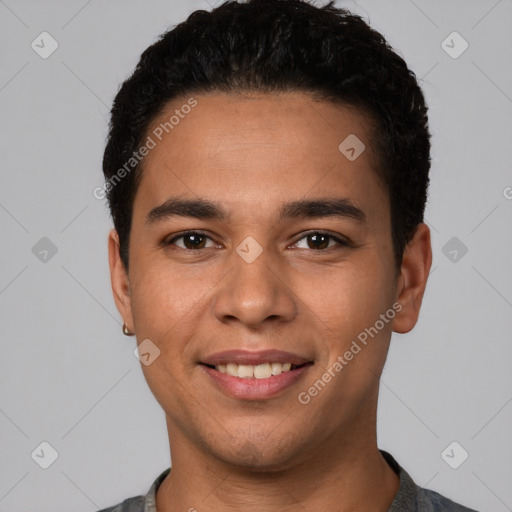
69 376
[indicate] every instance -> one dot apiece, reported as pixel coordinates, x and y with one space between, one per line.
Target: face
256 244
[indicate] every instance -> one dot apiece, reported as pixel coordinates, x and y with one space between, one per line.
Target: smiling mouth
259 371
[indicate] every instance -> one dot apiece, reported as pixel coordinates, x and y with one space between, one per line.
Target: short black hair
273 46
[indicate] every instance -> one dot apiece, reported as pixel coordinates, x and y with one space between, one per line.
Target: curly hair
273 46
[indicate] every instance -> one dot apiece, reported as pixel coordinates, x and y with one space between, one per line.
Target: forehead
250 147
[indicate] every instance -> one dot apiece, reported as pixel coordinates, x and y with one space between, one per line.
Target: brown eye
192 240
317 240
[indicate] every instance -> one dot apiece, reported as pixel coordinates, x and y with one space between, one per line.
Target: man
267 172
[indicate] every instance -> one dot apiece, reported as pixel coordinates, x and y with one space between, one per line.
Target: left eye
320 241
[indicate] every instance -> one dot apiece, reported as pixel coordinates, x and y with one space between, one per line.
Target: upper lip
254 358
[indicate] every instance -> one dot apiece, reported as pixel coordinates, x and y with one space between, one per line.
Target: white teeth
245 370
249 371
277 368
231 369
262 371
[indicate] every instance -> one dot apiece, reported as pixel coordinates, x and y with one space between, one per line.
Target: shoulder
145 503
412 497
431 501
135 504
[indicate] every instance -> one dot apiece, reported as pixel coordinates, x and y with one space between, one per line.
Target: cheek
350 300
164 302
165 310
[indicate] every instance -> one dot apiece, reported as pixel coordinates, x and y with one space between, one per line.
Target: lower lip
255 389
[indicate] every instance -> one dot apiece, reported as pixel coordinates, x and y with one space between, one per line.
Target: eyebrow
207 210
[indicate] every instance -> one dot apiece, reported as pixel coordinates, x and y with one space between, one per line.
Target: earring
126 332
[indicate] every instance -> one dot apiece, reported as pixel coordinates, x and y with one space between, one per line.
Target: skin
251 154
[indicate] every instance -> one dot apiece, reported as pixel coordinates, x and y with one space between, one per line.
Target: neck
345 473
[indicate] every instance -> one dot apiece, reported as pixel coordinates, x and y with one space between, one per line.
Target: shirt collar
150 499
405 498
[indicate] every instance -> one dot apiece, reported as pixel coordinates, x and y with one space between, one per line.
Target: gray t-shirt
409 498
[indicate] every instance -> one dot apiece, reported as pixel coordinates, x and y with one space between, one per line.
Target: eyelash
341 243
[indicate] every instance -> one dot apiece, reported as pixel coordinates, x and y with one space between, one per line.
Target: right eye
192 240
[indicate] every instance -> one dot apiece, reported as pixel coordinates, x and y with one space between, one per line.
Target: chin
260 456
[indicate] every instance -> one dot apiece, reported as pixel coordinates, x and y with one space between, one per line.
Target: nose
255 293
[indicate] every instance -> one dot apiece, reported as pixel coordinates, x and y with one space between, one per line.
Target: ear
119 280
416 263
